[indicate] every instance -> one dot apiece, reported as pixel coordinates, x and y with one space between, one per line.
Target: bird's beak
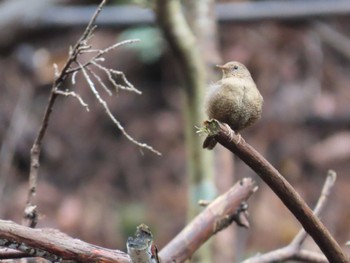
221 67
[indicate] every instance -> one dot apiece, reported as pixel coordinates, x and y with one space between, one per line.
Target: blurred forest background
97 186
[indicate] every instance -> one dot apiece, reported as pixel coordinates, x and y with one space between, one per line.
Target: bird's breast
234 101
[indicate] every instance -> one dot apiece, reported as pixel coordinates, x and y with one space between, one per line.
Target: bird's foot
231 134
239 138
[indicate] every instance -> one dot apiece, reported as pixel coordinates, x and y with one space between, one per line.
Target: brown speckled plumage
234 100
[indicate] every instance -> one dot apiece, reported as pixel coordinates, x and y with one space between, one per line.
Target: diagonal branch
293 250
217 215
292 200
327 187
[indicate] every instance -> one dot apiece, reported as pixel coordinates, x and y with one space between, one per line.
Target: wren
234 100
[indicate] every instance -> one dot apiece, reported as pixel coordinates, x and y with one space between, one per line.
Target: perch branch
293 250
280 186
54 245
217 215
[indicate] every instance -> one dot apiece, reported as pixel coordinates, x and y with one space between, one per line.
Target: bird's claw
231 133
239 138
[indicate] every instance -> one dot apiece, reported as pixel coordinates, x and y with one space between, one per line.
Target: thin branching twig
101 52
71 68
109 113
75 95
99 80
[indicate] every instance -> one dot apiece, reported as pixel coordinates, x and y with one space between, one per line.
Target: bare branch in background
109 113
294 249
218 215
75 95
71 67
56 246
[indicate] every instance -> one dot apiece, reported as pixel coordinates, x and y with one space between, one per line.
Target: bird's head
234 69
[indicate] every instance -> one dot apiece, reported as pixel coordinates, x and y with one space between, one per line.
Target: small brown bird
234 100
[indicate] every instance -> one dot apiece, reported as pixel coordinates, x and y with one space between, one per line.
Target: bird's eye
235 67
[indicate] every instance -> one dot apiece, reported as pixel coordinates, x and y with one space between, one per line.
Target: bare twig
99 80
326 190
81 46
110 73
217 215
75 95
110 115
101 52
30 211
294 250
281 187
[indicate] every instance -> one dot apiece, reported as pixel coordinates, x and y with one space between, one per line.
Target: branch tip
332 175
212 127
140 247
